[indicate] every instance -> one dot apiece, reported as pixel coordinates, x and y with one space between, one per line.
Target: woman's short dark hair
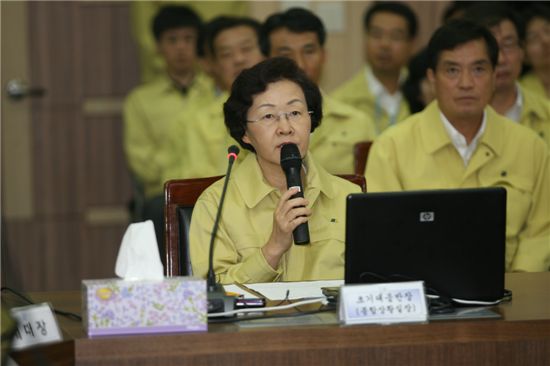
254 81
456 33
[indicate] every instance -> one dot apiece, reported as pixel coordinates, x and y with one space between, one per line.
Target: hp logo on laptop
427 216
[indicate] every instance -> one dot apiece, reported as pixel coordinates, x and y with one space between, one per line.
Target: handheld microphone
291 162
218 301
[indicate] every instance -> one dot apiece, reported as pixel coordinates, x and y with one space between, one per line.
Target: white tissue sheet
138 256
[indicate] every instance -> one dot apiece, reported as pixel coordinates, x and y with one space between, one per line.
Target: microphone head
290 157
233 149
232 153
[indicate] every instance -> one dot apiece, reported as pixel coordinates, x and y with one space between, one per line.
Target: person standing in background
142 13
151 110
300 35
390 31
537 49
510 99
231 45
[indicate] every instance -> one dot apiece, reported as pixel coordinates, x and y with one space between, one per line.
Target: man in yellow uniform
390 30
510 98
459 141
231 45
142 13
300 35
151 110
537 49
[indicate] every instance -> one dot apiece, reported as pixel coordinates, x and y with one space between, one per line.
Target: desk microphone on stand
218 301
291 162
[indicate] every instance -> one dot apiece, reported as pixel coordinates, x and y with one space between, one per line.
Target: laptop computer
453 240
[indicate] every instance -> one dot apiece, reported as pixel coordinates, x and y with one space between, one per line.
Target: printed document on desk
296 290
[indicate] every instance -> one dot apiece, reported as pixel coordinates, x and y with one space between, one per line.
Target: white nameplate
36 324
383 303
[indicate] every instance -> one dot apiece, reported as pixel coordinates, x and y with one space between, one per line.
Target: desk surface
522 336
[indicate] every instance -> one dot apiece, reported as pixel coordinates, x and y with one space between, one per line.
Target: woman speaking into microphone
271 105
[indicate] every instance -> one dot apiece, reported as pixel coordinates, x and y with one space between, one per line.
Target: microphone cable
232 153
68 314
323 300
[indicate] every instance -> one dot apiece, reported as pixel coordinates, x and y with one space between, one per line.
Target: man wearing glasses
511 99
537 49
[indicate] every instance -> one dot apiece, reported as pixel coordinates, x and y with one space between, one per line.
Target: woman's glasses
271 118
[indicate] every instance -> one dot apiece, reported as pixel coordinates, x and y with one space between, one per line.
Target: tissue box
115 306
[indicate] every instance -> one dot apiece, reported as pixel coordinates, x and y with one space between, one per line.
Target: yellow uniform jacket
247 221
151 114
356 93
418 154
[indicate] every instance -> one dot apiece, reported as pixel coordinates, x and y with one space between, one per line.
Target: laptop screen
453 240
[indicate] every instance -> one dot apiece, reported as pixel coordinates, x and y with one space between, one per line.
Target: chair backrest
180 196
357 179
360 155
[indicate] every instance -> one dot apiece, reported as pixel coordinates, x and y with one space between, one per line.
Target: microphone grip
301 233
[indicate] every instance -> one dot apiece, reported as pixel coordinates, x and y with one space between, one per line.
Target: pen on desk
250 291
235 294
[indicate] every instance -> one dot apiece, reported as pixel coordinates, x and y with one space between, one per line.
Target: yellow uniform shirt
356 92
535 114
204 153
247 221
418 154
342 127
151 112
531 82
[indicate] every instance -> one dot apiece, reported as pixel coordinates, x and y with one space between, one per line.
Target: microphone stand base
219 301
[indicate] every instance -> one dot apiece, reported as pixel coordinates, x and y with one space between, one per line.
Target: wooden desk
522 337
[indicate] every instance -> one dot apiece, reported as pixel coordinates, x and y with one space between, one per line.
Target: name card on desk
383 303
36 324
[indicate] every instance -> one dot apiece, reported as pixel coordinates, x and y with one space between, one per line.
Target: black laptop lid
453 240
